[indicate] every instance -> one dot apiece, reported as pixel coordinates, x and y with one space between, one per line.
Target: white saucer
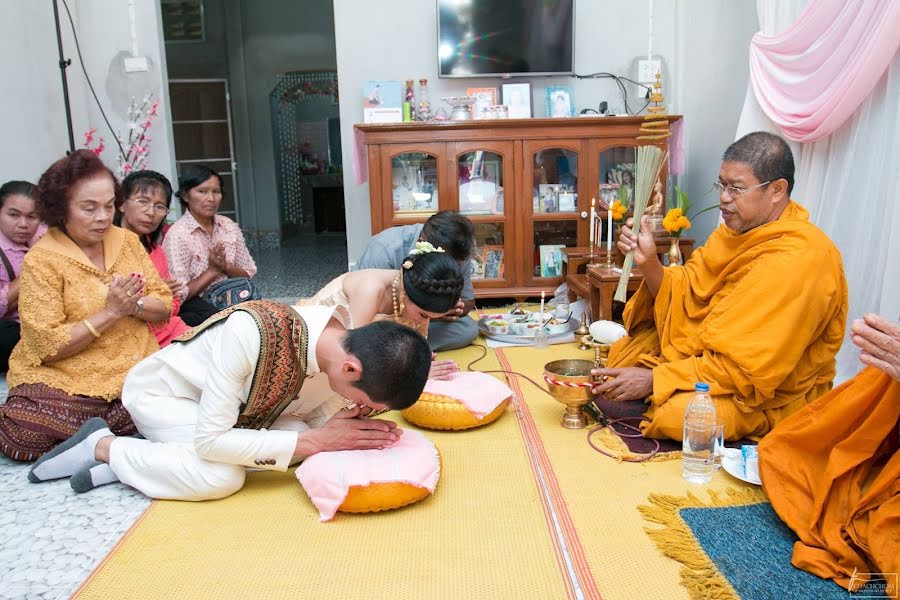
734 465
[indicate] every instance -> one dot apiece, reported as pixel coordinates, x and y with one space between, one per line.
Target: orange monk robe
832 473
759 316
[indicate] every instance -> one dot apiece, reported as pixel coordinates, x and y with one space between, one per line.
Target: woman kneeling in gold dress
88 290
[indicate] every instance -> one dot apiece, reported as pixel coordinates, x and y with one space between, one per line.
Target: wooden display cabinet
526 184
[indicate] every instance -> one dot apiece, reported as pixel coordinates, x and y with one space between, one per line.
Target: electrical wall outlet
647 70
136 64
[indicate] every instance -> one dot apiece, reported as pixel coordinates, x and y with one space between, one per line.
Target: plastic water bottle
697 457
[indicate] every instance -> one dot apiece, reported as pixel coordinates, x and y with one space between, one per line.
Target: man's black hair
451 231
395 362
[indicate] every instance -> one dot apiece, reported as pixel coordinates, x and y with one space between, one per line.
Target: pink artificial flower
100 148
89 136
147 124
153 108
126 168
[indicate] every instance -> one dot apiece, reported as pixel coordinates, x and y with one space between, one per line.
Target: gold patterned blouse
59 288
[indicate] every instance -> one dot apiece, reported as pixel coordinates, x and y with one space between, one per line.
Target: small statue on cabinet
657 207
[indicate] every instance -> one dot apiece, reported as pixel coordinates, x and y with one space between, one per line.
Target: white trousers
165 464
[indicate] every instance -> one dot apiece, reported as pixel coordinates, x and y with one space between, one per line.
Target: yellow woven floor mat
600 495
483 534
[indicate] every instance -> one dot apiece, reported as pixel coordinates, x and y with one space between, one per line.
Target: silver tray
571 325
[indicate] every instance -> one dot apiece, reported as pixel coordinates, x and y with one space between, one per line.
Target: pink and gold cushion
371 480
467 399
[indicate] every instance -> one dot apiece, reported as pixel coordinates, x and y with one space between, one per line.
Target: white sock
99 473
69 457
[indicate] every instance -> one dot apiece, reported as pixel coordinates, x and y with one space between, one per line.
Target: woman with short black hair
206 249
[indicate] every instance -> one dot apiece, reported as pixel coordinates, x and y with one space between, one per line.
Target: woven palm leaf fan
650 160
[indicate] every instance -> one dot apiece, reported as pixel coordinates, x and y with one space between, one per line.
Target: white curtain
850 182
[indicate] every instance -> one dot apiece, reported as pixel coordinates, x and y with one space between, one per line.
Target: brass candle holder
601 354
593 242
583 334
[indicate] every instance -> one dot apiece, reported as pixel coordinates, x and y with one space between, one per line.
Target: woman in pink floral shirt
20 229
203 247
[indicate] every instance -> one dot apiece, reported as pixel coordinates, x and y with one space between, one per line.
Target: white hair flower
424 248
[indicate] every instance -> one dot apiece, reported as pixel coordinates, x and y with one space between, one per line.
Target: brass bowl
570 371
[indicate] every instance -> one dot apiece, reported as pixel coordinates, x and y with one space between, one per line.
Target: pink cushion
328 476
480 393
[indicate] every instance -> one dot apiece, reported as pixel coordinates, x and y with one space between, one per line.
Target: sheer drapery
850 182
812 76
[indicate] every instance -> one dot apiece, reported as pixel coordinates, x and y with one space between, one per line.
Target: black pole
63 64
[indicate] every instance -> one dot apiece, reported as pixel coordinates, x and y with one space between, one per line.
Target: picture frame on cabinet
485 99
517 97
560 101
551 260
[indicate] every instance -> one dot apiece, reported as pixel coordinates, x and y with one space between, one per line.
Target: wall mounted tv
500 38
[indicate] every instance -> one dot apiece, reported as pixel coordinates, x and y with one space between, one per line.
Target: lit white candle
593 212
609 232
542 306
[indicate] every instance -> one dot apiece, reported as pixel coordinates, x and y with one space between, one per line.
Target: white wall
32 118
712 77
703 45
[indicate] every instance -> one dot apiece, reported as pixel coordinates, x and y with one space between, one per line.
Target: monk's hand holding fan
643 244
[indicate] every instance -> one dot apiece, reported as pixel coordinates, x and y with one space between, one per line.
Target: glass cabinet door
414 184
615 176
483 192
480 183
554 181
489 255
554 217
549 238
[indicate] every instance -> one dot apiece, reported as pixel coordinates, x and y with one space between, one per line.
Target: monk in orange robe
832 470
758 312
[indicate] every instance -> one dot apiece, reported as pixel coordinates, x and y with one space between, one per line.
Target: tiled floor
302 267
51 539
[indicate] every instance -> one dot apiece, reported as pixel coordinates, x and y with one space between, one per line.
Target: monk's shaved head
769 156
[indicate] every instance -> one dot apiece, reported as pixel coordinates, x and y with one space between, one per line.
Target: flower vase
674 252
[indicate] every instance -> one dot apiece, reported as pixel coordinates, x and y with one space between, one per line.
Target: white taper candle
609 233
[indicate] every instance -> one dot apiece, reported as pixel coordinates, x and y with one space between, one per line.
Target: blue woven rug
733 546
752 548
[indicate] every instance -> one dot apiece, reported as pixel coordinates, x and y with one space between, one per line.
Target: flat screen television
501 38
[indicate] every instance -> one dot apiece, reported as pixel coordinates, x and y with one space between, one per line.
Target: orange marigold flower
684 223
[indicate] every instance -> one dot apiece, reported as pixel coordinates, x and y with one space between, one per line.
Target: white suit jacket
216 369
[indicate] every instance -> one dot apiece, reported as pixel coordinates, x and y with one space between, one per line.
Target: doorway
307 144
201 123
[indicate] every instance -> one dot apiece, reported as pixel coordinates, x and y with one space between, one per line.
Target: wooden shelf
570 151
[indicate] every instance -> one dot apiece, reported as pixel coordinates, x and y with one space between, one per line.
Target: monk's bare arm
653 275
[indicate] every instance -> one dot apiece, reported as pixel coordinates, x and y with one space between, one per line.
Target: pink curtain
812 77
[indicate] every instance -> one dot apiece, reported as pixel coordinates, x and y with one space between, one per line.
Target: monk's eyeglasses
735 192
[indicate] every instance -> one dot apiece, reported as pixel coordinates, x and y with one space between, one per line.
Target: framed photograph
548 198
492 258
609 193
567 201
382 102
485 99
517 97
551 260
560 101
